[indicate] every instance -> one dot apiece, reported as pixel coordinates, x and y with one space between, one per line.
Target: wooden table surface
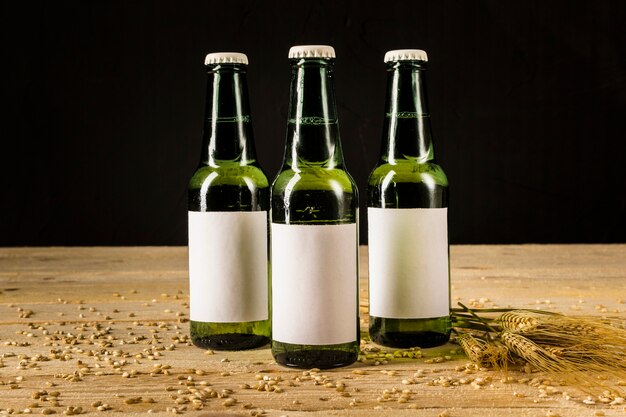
89 327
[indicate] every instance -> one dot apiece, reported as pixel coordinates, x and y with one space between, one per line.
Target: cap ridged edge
226 58
406 55
311 51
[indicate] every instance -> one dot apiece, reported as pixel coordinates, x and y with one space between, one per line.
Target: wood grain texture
104 317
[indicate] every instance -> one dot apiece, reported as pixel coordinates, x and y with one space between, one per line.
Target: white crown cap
226 58
406 55
311 51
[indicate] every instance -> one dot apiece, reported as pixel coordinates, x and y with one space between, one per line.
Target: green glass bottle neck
312 129
407 132
227 136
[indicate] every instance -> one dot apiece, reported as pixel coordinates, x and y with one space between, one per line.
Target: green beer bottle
314 227
409 278
228 202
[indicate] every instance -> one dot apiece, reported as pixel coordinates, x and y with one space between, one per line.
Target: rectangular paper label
314 284
408 262
228 277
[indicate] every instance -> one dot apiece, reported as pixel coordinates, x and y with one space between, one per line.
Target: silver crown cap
406 55
311 51
226 58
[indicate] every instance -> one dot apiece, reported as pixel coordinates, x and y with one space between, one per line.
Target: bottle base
230 341
322 359
407 333
307 357
406 340
229 336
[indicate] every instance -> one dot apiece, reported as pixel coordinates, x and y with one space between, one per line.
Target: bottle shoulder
314 178
229 174
407 171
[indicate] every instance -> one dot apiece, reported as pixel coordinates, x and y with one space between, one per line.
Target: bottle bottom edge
230 341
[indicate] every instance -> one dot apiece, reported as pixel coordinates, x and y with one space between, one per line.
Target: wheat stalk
484 353
581 349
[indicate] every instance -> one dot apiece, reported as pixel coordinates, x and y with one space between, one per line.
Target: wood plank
95 308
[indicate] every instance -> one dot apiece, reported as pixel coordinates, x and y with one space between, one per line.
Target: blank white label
228 278
408 263
314 284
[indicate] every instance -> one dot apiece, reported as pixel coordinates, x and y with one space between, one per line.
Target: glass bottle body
315 207
317 197
226 188
407 184
228 200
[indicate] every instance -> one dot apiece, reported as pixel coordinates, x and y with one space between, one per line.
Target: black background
102 107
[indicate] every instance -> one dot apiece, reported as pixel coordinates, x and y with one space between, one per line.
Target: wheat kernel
133 400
